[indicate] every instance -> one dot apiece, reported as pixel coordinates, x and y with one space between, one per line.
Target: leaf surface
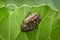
11 19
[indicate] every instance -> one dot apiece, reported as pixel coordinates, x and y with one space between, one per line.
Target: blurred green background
53 3
11 18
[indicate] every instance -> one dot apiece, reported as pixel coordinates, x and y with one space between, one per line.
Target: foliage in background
52 3
12 16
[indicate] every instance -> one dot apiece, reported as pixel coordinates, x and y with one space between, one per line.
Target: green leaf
4 23
11 18
56 4
1 3
53 3
47 25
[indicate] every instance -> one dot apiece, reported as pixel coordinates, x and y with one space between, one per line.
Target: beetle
30 22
